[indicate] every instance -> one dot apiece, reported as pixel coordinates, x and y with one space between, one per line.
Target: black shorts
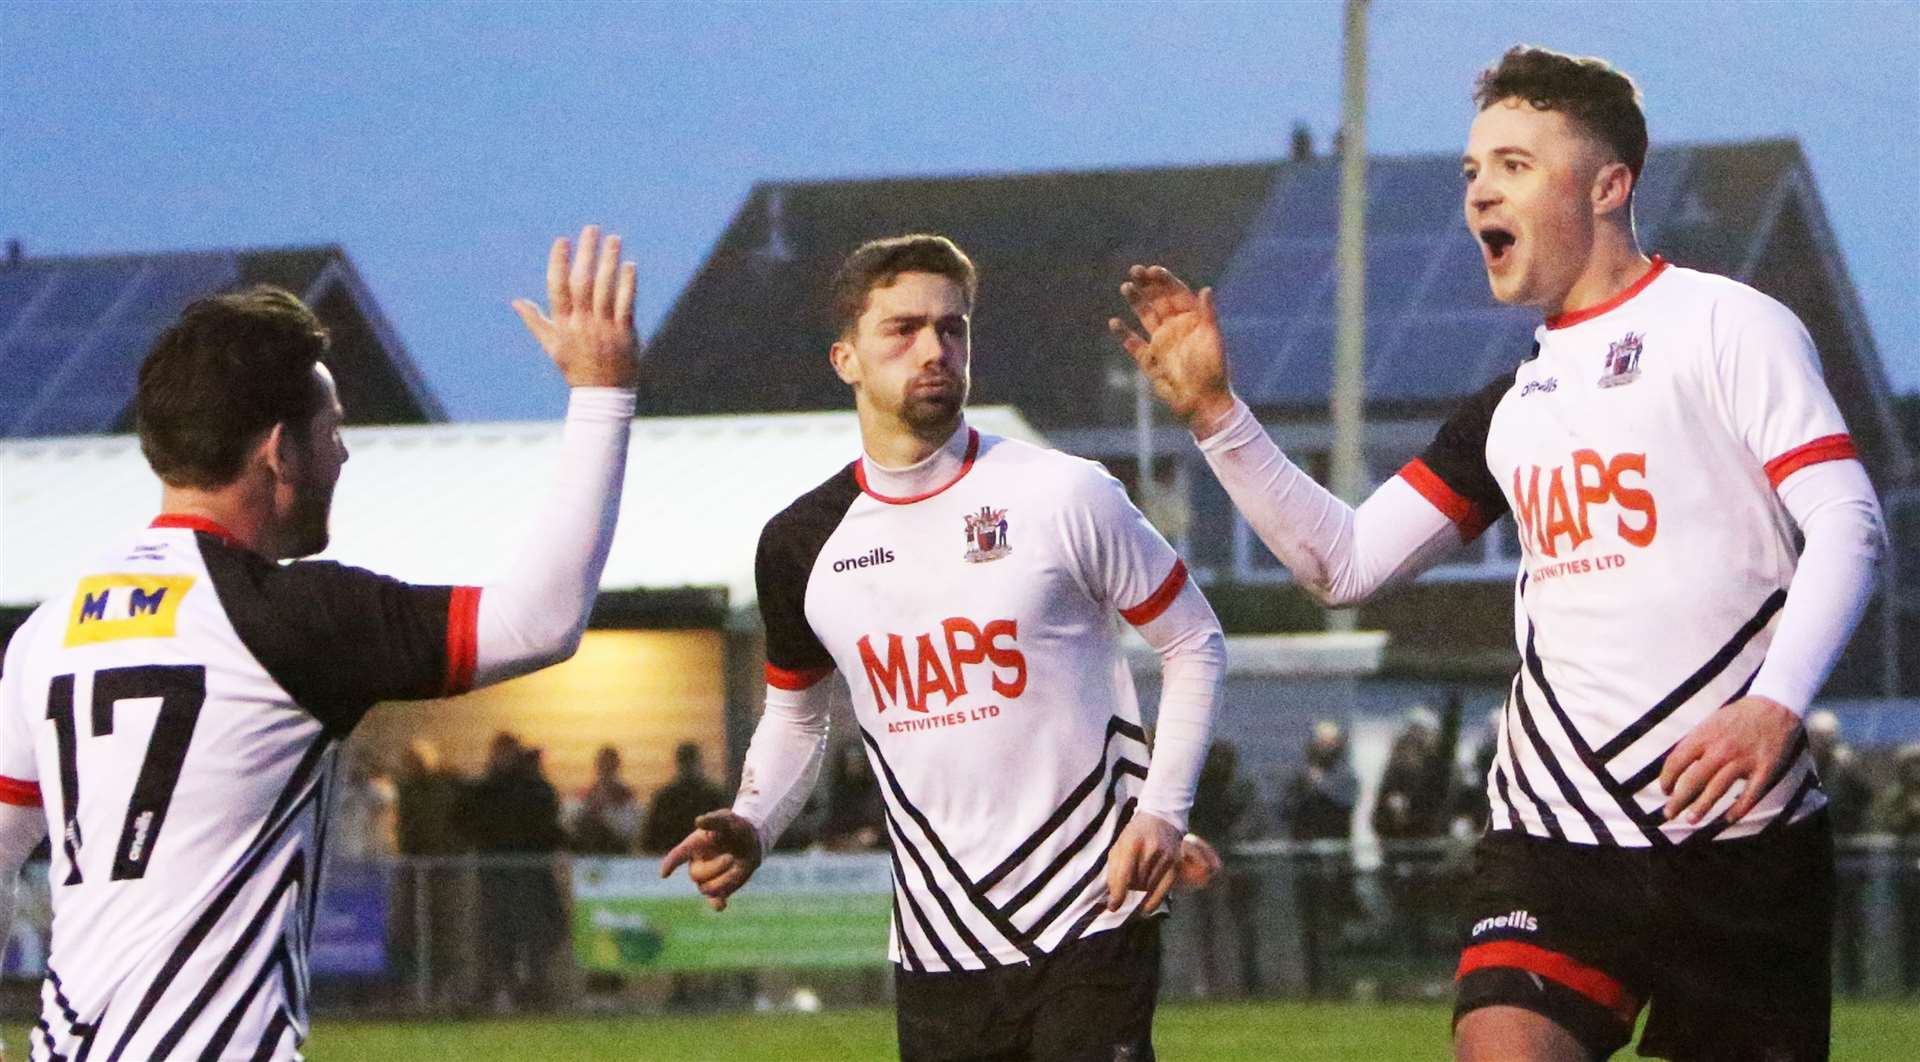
1727 942
1090 1001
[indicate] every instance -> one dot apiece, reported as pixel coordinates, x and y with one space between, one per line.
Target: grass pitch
1184 1032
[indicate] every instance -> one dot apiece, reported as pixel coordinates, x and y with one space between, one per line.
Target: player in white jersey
1657 835
966 588
178 708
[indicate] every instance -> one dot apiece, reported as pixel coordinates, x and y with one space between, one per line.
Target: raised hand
1743 741
1181 353
1145 858
721 853
590 333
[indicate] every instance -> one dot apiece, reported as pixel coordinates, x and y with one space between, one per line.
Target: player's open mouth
1497 241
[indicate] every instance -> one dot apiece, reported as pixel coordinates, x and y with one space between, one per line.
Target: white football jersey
974 627
1639 451
179 714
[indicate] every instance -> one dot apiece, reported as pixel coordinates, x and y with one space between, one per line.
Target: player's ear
845 365
280 450
1612 187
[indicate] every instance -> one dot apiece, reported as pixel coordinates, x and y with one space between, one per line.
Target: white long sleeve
535 614
1834 504
783 759
1193 667
1340 555
21 829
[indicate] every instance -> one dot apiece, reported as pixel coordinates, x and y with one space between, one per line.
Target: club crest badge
987 535
1623 361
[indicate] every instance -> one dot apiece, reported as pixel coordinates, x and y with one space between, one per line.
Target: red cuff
19 793
781 678
1465 514
1825 448
1149 610
1596 985
463 638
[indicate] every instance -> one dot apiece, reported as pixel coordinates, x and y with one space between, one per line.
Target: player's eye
1467 175
1515 165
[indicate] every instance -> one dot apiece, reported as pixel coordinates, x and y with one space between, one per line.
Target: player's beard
928 410
307 531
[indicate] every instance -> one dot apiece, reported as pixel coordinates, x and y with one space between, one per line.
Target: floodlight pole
1349 379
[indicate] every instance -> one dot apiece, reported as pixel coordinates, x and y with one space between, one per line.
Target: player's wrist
1211 413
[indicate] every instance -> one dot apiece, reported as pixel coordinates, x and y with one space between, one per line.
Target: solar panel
27 364
17 290
1279 278
1409 196
83 292
1431 361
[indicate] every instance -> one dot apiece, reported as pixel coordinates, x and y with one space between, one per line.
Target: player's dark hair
1588 90
877 263
228 370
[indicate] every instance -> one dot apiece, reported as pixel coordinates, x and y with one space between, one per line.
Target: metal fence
466 934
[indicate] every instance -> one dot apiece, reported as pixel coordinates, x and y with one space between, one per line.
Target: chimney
1302 142
13 253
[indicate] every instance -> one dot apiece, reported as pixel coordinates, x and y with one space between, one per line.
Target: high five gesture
590 333
1181 354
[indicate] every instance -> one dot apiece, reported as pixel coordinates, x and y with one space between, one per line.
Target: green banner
814 909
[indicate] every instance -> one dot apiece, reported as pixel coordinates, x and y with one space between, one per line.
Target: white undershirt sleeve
1193 667
535 614
1834 504
783 760
1340 555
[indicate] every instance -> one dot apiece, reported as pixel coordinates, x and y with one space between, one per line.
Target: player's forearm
783 760
1340 555
536 613
1193 668
1835 507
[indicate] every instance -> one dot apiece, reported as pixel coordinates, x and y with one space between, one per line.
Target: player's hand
721 853
1199 864
1181 353
590 335
1744 741
1146 858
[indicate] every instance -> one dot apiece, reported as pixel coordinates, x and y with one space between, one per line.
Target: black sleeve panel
789 545
338 639
1458 454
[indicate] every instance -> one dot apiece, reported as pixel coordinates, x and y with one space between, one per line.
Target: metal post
1143 440
422 934
1349 380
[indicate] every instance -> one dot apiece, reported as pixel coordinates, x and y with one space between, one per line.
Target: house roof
73 331
749 332
452 503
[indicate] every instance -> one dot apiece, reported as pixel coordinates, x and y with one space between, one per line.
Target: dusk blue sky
443 145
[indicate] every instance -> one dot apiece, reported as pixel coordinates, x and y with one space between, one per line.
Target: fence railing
469 933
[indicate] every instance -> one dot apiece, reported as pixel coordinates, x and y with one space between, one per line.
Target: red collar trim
1574 317
196 523
966 465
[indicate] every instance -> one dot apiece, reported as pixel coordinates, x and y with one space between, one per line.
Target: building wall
643 692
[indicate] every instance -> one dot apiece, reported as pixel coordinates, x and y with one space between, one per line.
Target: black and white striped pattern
1554 776
1049 889
233 983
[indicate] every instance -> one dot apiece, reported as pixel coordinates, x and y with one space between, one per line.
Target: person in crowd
679 802
1898 813
1849 805
1318 806
605 818
513 815
1410 806
425 794
856 818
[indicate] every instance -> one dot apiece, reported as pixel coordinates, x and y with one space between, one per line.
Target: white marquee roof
450 502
